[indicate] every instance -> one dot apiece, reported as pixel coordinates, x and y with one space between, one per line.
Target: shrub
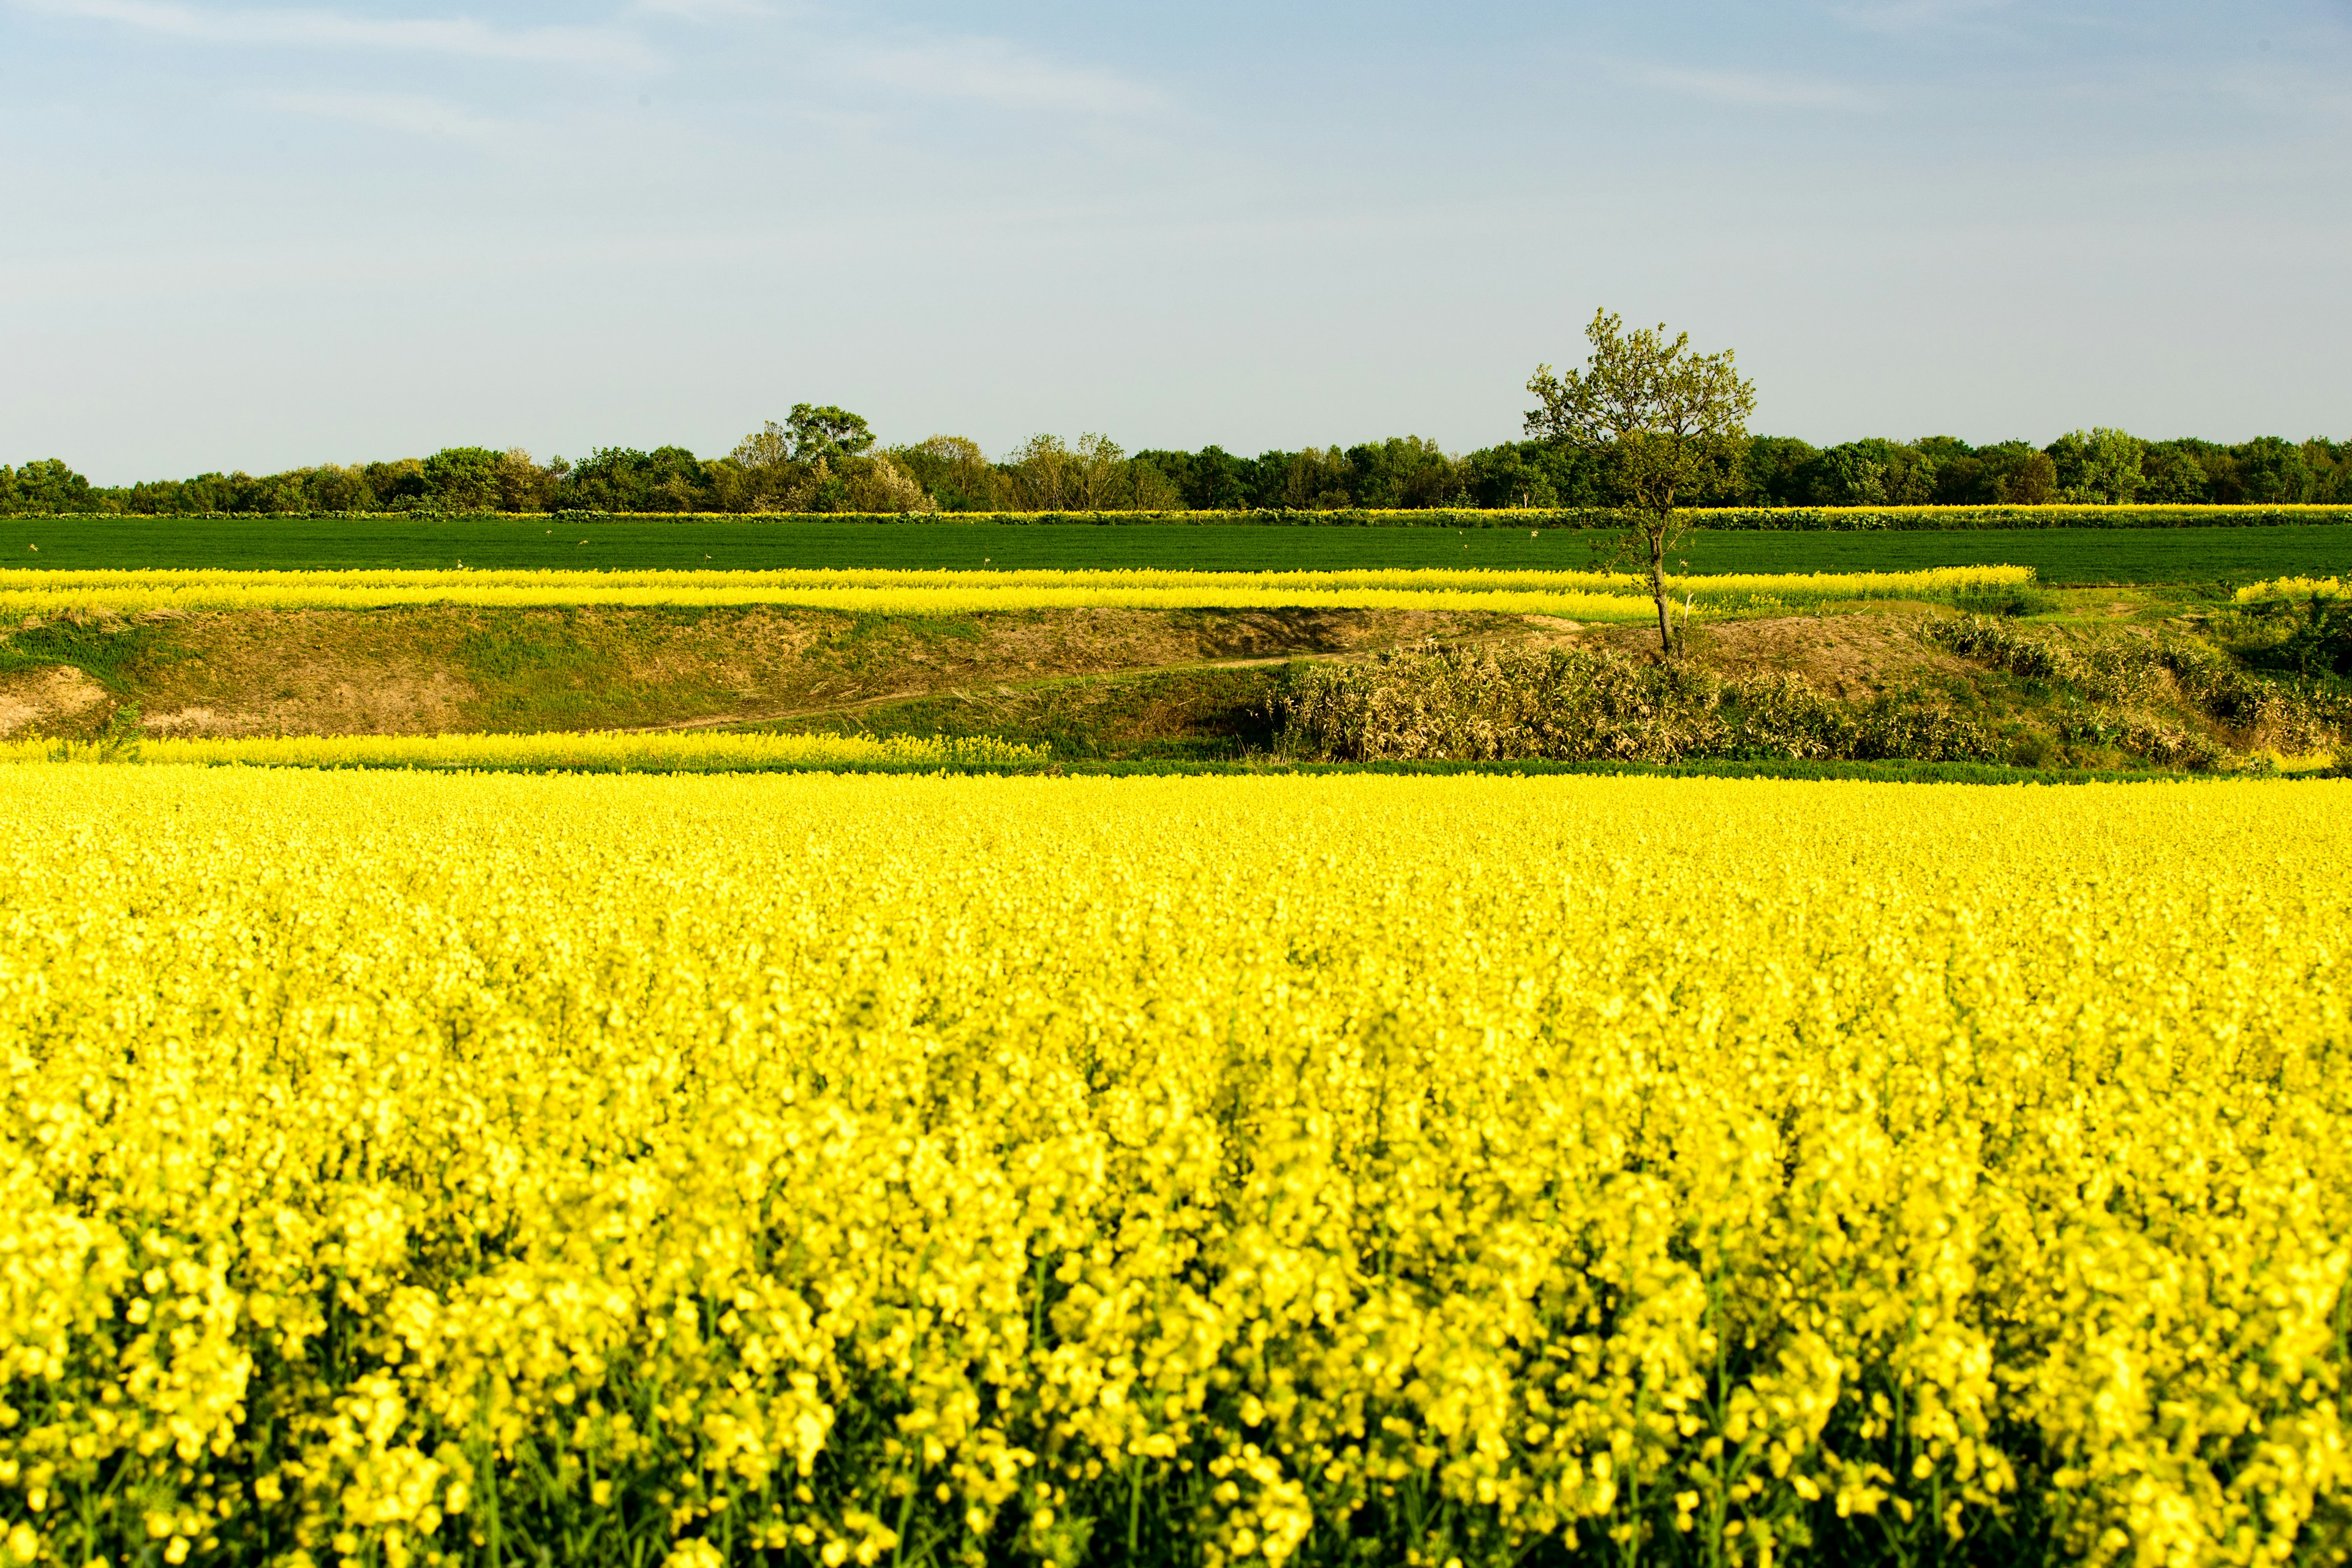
1498 704
2295 717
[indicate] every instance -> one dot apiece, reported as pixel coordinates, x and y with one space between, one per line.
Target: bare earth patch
437 670
330 701
430 670
30 699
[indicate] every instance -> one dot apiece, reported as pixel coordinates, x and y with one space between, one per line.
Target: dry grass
32 699
1854 653
415 671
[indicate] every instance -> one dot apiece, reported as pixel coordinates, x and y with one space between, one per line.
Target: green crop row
1831 520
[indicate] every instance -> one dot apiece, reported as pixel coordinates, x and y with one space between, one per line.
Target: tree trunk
1658 589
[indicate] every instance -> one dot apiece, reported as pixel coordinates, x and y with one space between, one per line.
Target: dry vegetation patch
1851 654
32 699
431 669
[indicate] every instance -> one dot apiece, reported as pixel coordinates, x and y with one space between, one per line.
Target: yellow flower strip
414 1168
1588 596
2291 588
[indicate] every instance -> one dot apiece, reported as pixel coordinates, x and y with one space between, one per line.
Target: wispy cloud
991 70
462 36
1758 90
408 114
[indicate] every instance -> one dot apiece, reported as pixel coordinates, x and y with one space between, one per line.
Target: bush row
2134 673
1502 704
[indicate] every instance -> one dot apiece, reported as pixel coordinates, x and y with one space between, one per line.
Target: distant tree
1318 478
1264 479
622 478
2014 473
212 493
44 487
1576 476
1666 421
522 484
1143 487
820 461
1910 474
2272 470
462 480
1220 482
1873 471
953 469
395 483
869 482
1099 470
771 446
827 432
760 474
1848 474
2173 473
875 483
1041 475
2097 467
1404 472
2034 482
1091 474
1511 474
2330 463
1175 467
1774 471
1959 481
334 487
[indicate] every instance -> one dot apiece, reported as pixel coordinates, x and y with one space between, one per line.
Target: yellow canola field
601 750
412 1168
1584 595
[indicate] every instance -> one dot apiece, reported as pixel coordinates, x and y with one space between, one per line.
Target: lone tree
1660 418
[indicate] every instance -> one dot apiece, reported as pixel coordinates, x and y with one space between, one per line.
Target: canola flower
2291 588
607 750
1584 595
425 1169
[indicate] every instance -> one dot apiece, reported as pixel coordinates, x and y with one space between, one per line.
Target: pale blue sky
254 236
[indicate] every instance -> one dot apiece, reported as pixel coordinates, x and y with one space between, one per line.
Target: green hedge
1836 519
1816 520
1936 519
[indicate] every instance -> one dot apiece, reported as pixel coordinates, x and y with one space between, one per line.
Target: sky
252 236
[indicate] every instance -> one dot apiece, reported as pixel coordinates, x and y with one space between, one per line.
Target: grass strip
2186 554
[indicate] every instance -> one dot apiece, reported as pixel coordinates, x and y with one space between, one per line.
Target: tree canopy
777 468
1660 419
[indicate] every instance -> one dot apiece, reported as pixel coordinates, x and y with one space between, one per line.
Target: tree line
827 460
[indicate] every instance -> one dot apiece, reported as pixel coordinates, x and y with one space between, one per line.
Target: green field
2058 555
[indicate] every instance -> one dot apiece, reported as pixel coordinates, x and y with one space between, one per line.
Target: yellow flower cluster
605 750
414 1169
1585 596
2291 588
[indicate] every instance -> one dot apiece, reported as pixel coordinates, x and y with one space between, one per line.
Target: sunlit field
2079 552
409 1168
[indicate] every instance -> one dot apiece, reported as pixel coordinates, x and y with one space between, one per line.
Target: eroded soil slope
437 670
1090 683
